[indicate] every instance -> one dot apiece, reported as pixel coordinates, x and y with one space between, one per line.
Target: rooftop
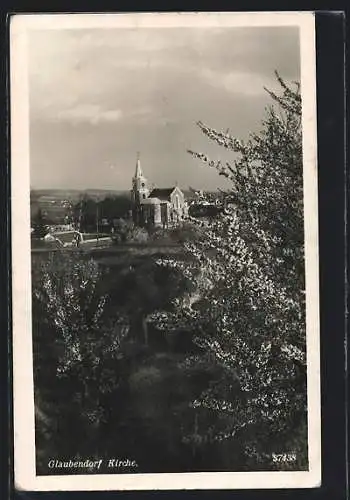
161 193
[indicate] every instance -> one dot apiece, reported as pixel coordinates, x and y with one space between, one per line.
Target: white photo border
24 424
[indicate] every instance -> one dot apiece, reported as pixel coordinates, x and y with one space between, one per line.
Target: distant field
60 194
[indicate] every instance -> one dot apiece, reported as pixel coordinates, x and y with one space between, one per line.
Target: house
161 207
58 228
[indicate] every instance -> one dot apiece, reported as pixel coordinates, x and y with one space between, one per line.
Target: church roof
161 193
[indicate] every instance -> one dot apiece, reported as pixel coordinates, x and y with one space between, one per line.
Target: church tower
139 190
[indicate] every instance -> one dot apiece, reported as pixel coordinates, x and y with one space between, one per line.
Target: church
160 207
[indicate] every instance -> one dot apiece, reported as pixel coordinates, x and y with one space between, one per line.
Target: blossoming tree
246 305
77 350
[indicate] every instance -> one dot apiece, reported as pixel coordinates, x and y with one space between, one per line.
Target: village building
161 207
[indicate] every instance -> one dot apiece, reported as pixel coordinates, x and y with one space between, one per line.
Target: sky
97 97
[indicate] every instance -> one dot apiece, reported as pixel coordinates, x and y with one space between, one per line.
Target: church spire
138 171
139 183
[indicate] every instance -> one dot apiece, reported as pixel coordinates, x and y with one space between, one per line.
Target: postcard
165 251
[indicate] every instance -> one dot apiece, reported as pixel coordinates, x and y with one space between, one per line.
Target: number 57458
284 457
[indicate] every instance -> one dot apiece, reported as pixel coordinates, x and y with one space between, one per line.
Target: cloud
125 69
244 83
89 113
98 96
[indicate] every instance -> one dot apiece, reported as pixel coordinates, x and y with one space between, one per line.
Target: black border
330 43
332 182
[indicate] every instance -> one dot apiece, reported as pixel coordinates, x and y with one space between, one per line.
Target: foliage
138 235
187 232
83 344
113 207
158 234
125 231
247 307
39 225
121 229
87 212
92 362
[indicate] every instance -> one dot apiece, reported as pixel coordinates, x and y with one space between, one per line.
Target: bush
138 235
159 234
121 230
126 232
77 348
186 232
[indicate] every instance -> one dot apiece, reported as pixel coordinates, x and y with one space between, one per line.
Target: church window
143 184
143 196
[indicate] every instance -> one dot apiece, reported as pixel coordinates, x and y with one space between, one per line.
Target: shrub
77 347
138 235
